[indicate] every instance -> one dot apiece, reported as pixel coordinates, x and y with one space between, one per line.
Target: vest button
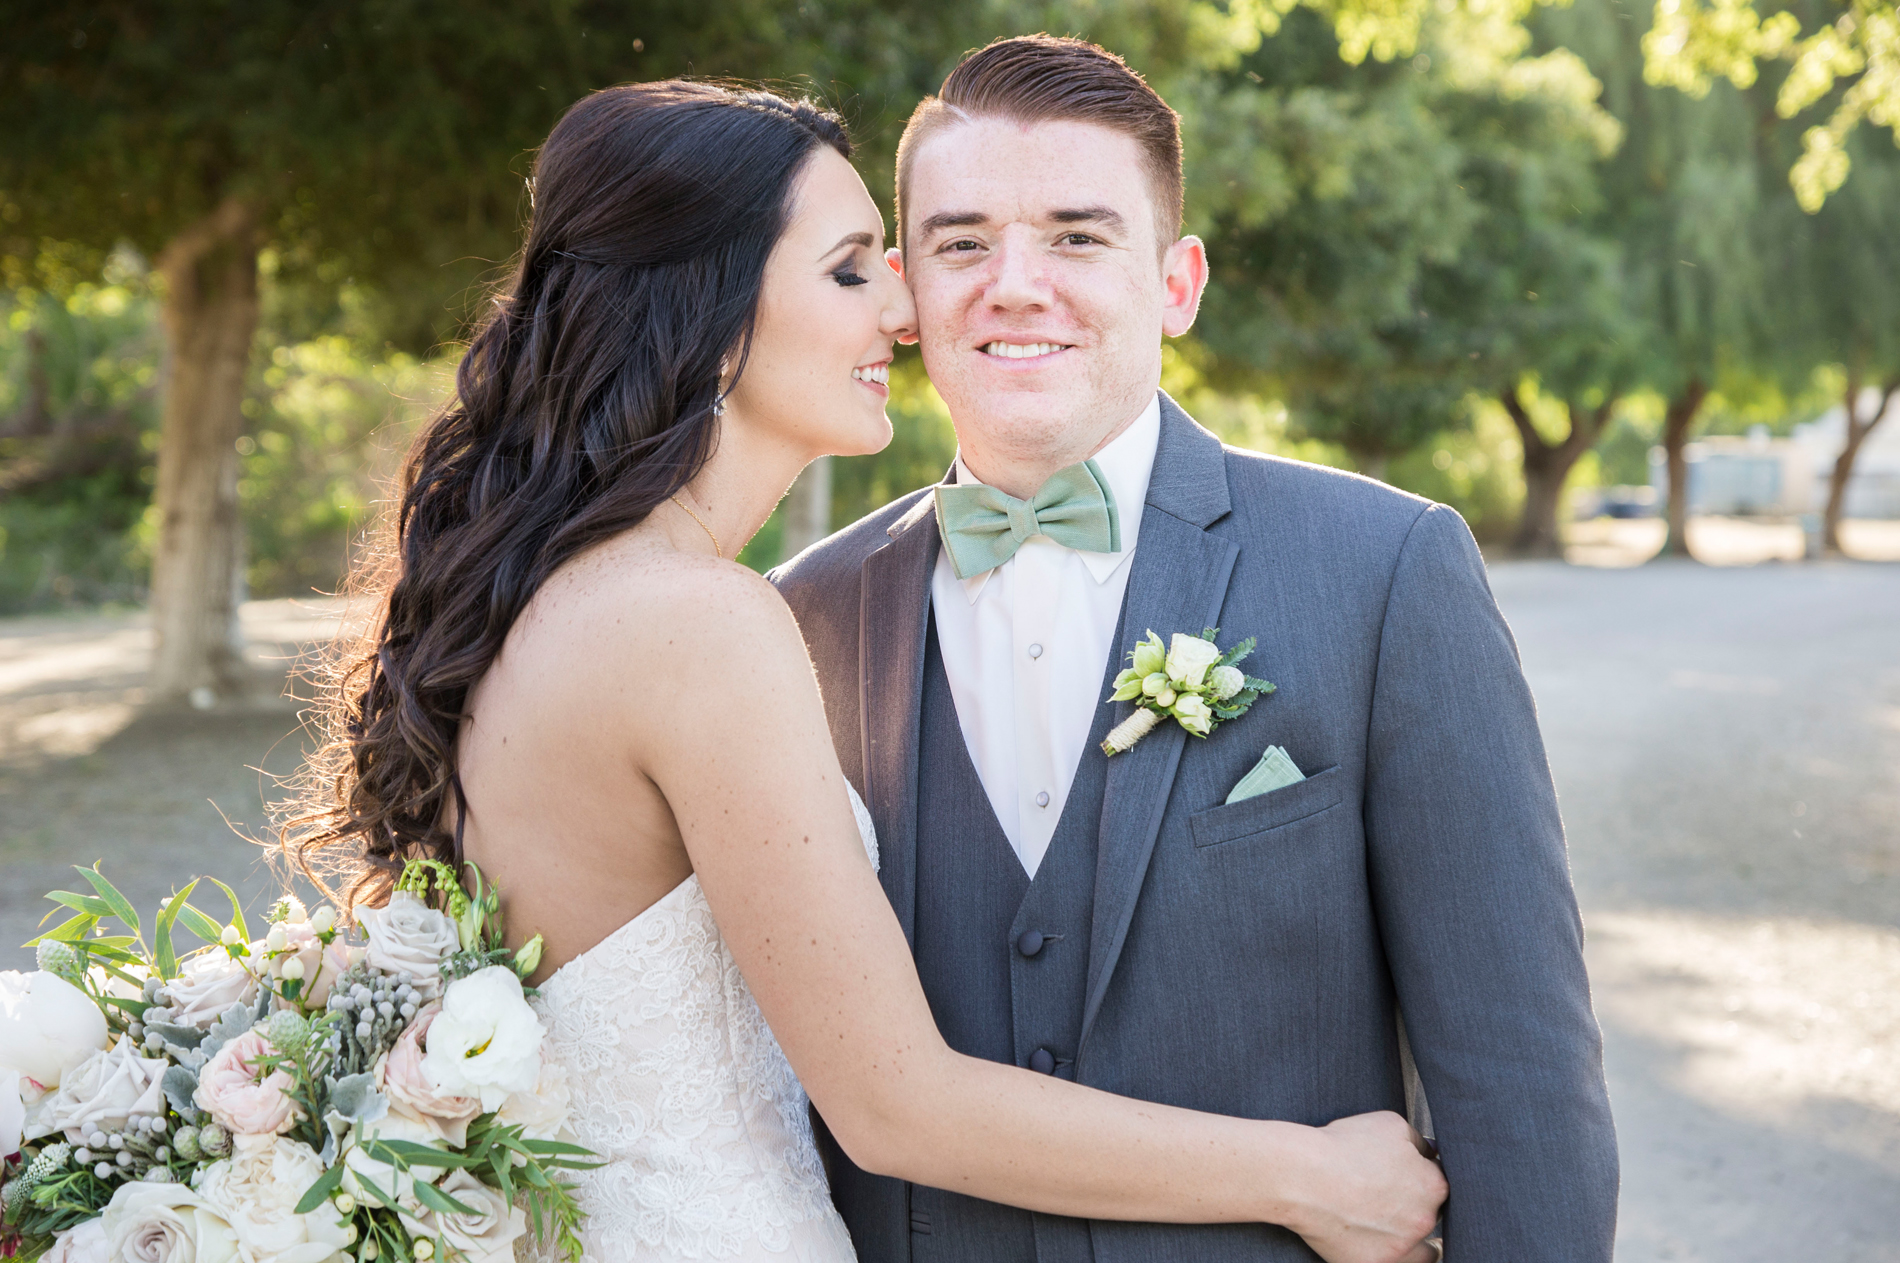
1042 1061
1029 942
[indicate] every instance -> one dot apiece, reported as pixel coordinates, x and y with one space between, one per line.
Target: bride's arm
745 760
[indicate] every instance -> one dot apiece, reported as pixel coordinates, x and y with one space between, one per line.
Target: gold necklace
702 526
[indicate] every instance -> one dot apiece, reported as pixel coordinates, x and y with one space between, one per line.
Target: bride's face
829 312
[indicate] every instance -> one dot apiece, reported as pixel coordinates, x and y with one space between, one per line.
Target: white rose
543 1112
12 1113
398 1184
47 1026
210 983
107 1092
85 1243
165 1223
407 936
1189 657
487 1236
257 1190
486 1042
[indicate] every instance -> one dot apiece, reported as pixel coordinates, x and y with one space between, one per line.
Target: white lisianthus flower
165 1223
542 1113
487 1236
12 1113
486 1042
407 936
1189 657
257 1190
107 1092
1193 714
47 1026
358 1163
85 1243
1226 681
209 983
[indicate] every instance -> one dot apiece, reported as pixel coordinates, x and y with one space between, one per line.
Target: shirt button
1035 651
1042 1061
1042 799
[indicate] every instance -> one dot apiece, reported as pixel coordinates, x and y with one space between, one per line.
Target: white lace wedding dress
678 1083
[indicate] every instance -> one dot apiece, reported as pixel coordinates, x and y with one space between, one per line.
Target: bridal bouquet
309 1096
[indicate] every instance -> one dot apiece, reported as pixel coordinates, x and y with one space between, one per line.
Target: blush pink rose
412 1091
322 966
239 1095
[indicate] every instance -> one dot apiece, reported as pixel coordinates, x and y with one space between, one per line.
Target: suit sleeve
1471 881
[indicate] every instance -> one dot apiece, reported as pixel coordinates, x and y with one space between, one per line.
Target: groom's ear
895 257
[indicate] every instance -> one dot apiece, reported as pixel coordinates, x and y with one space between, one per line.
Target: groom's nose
1019 274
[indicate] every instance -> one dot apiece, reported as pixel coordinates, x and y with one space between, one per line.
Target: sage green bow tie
982 527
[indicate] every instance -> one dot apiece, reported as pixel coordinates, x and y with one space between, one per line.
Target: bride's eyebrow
864 239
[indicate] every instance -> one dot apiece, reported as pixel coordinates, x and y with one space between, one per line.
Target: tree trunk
1677 420
1547 468
807 509
210 315
1855 435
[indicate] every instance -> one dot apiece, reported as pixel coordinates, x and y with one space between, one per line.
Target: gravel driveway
1726 743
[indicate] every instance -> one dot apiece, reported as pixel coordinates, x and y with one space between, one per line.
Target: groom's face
1043 284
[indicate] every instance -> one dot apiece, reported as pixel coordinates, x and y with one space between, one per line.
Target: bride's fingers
1427 1147
1426 1251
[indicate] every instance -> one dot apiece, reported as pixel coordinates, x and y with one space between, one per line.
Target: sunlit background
1619 283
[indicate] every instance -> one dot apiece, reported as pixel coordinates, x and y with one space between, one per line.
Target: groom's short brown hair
1043 79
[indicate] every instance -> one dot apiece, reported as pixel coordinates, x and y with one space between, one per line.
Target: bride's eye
847 278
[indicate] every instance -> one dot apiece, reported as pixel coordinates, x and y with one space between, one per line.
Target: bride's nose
899 318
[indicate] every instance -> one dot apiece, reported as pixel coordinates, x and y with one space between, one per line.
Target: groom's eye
1077 239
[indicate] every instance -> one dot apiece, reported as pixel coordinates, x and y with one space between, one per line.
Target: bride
573 685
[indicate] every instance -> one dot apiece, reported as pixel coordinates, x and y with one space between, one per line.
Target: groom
1116 920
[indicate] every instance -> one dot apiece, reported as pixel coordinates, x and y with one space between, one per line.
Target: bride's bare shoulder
633 597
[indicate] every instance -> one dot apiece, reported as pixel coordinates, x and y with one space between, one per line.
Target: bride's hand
1373 1195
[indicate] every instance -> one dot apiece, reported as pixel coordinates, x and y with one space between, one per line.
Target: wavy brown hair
588 395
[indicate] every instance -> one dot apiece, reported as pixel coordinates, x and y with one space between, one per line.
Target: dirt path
1726 742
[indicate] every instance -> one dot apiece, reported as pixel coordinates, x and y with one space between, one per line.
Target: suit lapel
892 617
1178 584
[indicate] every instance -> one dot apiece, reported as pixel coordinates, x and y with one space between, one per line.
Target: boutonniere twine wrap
1191 681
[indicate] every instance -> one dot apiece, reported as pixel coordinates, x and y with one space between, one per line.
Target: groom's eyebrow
953 219
1106 216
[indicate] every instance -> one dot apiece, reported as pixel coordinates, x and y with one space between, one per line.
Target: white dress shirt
1026 645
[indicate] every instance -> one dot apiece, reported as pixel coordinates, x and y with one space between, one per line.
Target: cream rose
1193 714
1189 657
321 965
85 1243
47 1026
542 1113
165 1223
233 1089
407 936
398 1184
210 983
486 1042
401 1076
12 1113
487 1236
257 1190
107 1092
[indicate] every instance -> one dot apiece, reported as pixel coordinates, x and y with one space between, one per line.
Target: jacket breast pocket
1264 813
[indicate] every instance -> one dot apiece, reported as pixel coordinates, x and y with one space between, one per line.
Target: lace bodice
678 1083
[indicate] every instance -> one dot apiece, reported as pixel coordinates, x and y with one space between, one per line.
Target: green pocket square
1276 770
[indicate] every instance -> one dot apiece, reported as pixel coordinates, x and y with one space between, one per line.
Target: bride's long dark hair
587 396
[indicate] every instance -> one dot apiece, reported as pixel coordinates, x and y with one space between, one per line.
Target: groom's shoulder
1279 492
831 567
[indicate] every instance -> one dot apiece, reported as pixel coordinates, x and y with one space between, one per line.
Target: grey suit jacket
1248 959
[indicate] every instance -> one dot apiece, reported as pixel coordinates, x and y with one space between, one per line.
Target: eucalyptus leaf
121 906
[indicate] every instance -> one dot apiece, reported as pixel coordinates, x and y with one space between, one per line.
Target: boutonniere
1190 680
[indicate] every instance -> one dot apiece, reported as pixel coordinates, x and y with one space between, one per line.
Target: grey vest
1003 960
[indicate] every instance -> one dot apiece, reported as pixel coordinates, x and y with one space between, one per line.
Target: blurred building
1760 476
